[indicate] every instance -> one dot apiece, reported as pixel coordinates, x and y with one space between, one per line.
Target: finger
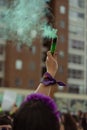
49 55
55 55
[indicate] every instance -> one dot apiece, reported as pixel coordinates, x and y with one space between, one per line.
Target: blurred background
21 67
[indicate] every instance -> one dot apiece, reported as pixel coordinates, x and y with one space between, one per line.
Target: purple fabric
49 80
46 100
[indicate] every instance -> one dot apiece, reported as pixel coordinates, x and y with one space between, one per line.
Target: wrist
49 80
51 73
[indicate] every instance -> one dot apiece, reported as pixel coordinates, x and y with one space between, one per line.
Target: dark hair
36 114
5 120
69 122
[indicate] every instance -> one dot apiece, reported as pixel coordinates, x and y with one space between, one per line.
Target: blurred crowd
71 121
68 121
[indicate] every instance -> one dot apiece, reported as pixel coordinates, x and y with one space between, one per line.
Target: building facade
23 67
71 21
77 46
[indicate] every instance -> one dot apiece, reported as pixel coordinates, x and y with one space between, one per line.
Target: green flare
53 45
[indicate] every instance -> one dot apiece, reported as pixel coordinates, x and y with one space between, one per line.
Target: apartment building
71 21
77 46
23 66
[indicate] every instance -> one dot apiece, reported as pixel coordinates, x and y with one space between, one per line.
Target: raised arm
51 68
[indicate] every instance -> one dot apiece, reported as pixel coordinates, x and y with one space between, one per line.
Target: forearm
52 67
46 84
43 89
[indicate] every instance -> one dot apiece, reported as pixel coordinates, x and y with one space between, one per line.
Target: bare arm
52 67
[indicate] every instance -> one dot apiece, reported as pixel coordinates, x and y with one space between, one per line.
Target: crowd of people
39 111
66 121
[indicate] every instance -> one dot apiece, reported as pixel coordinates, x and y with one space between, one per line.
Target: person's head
69 122
79 113
38 112
5 122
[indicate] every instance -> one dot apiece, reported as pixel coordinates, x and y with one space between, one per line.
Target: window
18 64
76 30
31 83
60 69
61 54
1 82
62 24
33 49
76 59
81 3
77 3
76 44
32 65
18 82
76 74
62 9
60 88
73 88
73 3
18 47
1 66
1 49
73 15
62 38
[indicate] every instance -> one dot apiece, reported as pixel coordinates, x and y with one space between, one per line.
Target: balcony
76 66
79 82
